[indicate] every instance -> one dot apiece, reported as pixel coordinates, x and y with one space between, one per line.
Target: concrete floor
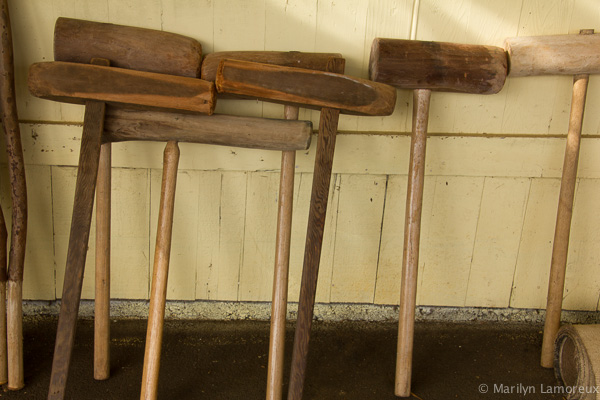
227 360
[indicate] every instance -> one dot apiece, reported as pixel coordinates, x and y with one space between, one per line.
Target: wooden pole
16 170
3 279
102 298
282 262
158 295
412 235
563 221
87 173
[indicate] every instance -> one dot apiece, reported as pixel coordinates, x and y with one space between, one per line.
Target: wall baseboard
261 311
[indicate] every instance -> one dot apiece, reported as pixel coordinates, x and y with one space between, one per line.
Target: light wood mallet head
554 54
438 66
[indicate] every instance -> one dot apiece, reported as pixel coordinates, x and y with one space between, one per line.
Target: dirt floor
228 360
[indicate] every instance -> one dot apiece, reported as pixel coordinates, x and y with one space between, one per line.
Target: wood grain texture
14 150
312 255
297 59
102 290
281 270
412 237
227 130
305 88
78 83
3 279
554 55
440 66
128 47
87 173
564 215
3 248
160 275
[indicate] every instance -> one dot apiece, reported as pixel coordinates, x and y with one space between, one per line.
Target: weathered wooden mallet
577 55
331 93
314 61
426 66
96 85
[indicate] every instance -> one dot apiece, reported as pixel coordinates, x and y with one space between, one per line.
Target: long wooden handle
282 261
102 297
3 278
78 83
563 221
225 130
128 47
158 294
305 88
314 242
412 235
16 171
85 185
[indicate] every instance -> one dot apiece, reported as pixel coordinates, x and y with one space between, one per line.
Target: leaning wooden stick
3 279
158 294
16 170
102 289
324 91
415 65
87 171
282 260
577 55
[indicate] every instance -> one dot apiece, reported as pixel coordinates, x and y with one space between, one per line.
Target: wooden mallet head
438 66
305 88
554 54
127 47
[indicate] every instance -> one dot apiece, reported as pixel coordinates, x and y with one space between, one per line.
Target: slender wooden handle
225 130
305 88
16 171
3 278
102 297
450 67
78 83
158 295
314 241
282 261
412 235
87 173
314 61
555 54
128 47
560 247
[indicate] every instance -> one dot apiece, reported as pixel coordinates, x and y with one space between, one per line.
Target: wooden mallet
426 66
331 93
3 279
132 48
89 84
18 193
314 61
577 55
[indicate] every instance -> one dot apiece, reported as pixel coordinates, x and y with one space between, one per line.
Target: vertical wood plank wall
492 173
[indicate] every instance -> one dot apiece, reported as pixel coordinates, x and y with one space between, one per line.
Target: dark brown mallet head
554 54
127 47
297 59
305 88
78 83
439 66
